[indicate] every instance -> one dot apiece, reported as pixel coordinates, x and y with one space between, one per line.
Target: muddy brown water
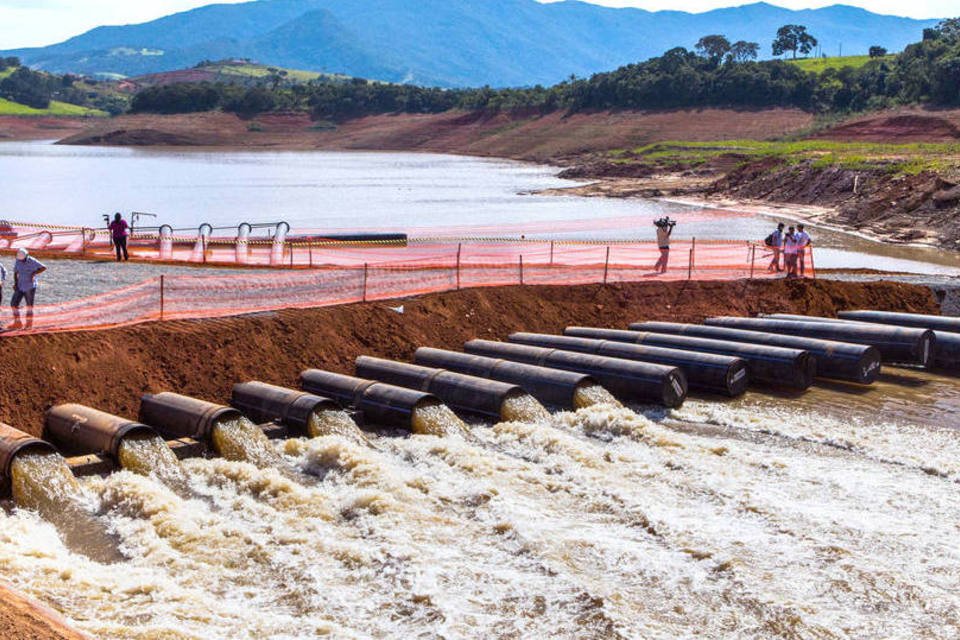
827 514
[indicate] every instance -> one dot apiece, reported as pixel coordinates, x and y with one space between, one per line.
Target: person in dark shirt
119 230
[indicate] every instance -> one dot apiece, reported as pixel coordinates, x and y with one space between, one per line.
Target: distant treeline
37 89
928 71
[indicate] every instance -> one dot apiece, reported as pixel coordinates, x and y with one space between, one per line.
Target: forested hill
447 43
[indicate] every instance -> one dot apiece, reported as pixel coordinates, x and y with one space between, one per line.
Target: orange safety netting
366 274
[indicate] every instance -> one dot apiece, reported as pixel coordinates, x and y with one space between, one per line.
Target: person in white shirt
791 247
804 240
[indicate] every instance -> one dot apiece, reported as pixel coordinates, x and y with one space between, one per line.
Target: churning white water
599 523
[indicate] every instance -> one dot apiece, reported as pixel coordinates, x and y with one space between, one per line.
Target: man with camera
664 230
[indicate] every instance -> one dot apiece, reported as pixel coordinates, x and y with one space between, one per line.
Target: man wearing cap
25 272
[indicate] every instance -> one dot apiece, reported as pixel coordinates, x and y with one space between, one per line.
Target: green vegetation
892 158
55 108
718 74
819 65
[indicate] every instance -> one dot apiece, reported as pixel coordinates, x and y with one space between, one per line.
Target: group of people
26 268
792 245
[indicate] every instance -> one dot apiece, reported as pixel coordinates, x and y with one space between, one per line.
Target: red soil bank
109 370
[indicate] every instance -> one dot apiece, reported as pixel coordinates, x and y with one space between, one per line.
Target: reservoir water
421 194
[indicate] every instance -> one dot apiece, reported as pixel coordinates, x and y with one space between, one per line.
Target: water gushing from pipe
241 440
588 395
437 420
42 482
334 422
149 455
523 408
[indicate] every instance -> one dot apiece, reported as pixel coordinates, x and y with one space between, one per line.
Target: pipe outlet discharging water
625 379
771 366
490 399
231 434
383 404
303 414
704 371
552 387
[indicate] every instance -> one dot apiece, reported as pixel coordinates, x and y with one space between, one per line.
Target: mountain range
449 43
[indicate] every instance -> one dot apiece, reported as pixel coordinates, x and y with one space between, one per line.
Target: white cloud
25 23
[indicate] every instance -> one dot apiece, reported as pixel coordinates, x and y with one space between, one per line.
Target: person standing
804 240
25 272
664 231
119 230
775 242
791 246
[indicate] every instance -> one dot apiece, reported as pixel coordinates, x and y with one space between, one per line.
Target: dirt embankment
24 619
554 138
41 127
110 370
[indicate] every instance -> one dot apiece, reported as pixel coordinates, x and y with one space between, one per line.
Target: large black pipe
773 366
464 393
13 442
838 360
918 320
263 403
175 416
80 430
550 386
946 328
376 402
895 344
628 380
704 371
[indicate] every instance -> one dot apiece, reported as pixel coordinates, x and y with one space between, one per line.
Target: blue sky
25 23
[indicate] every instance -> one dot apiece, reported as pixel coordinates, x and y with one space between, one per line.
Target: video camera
665 222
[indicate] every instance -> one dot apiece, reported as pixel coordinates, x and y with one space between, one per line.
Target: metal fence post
753 259
606 266
521 268
365 270
690 265
459 250
162 293
311 255
551 252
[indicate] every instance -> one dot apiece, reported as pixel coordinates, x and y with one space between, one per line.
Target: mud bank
111 369
551 138
24 619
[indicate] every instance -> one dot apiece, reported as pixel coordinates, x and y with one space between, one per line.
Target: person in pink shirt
119 230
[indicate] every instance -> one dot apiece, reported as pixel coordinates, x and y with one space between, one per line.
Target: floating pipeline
704 371
771 366
625 379
231 434
383 404
552 387
481 397
895 344
947 330
837 360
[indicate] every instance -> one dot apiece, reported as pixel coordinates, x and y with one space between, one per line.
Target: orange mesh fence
444 267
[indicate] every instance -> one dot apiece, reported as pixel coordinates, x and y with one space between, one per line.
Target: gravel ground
70 279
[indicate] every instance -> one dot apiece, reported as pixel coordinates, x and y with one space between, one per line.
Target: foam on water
42 482
598 523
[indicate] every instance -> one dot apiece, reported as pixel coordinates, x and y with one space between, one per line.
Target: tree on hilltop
877 51
794 38
742 51
713 47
